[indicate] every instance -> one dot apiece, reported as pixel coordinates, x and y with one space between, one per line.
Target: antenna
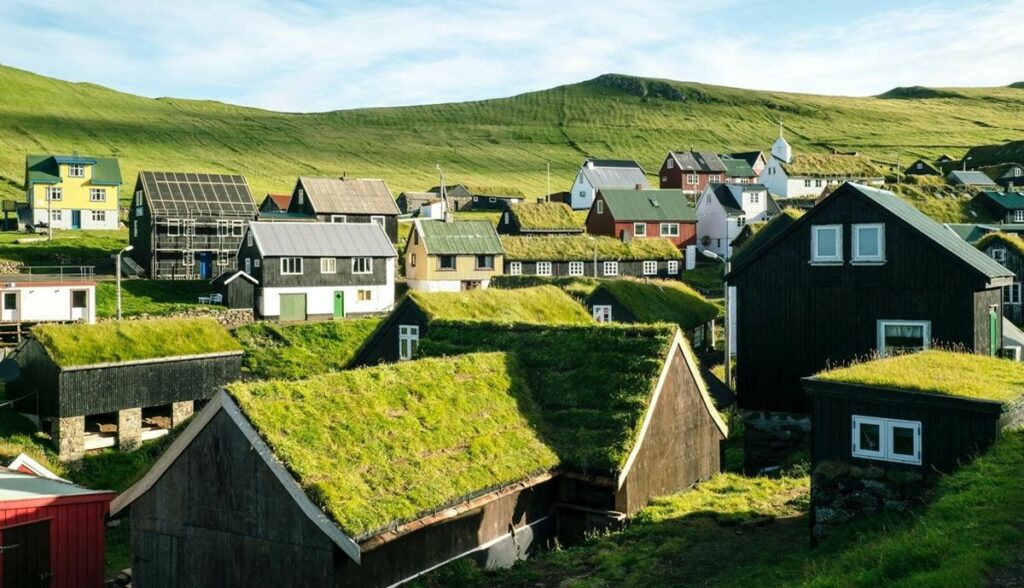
444 195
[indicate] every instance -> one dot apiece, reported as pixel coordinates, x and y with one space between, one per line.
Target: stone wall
772 438
129 429
841 492
229 317
181 411
68 436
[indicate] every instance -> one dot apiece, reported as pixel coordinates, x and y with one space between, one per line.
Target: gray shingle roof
701 161
970 178
336 196
322 240
615 174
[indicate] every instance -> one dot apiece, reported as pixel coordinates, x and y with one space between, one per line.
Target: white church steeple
780 148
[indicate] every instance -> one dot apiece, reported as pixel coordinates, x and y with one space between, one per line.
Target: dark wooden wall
382 346
602 297
140 231
239 293
626 268
1015 263
794 319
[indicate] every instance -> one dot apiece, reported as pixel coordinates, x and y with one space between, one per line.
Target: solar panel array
198 195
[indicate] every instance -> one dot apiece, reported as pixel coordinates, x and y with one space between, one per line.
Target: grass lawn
291 352
706 278
152 297
66 248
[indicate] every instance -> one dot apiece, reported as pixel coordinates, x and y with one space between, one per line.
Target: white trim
292 273
855 255
650 268
643 229
331 264
610 265
886 429
25 461
515 268
545 264
672 232
244 275
838 257
672 267
369 266
599 311
576 268
880 325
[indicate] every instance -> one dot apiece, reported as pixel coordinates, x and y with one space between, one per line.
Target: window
583 194
600 206
10 301
188 258
79 298
673 267
379 220
887 439
691 179
515 268
640 229
827 243
669 229
670 163
412 260
492 200
76 170
223 228
807 183
602 313
575 268
755 197
446 262
56 216
895 337
248 265
291 266
715 179
920 165
1011 293
364 295
740 221
97 195
362 265
249 239
135 229
256 262
415 237
1018 215
174 228
485 262
222 258
328 265
1017 172
650 268
611 268
664 179
818 183
237 228
543 268
302 196
504 218
338 218
408 340
99 216
54 193
869 243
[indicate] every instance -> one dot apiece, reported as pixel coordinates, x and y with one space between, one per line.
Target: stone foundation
181 411
68 436
228 317
841 492
129 428
771 438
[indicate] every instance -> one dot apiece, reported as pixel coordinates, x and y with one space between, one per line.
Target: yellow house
449 256
72 191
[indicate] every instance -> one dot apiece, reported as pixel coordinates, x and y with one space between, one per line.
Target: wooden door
26 556
339 304
293 307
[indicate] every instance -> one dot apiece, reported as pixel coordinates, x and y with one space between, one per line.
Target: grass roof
662 301
578 287
115 341
1009 240
938 372
380 446
545 216
593 383
537 305
832 164
581 248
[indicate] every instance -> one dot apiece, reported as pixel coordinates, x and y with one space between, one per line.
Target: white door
10 311
79 305
408 340
602 313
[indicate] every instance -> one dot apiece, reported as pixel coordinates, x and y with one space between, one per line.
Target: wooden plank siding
633 269
382 346
1015 263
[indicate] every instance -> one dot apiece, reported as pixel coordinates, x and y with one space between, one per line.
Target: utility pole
547 196
118 270
898 175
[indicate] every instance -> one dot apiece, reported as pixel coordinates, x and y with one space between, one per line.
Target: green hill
500 145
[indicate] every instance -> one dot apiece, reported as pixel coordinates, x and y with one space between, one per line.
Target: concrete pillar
129 428
181 411
68 436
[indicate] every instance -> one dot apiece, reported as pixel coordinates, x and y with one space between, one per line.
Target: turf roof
1009 240
545 216
666 301
946 373
539 305
116 341
581 248
384 445
832 164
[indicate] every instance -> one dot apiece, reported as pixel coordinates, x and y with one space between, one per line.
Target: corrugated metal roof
737 168
1003 200
971 178
19 486
970 232
617 176
322 240
459 237
337 196
649 205
700 161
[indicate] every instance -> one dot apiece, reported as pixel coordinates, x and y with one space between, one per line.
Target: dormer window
869 243
827 244
76 170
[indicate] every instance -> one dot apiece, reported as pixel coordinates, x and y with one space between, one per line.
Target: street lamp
966 159
118 270
728 331
594 240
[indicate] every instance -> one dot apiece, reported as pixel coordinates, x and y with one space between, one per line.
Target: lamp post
594 241
726 327
966 159
118 270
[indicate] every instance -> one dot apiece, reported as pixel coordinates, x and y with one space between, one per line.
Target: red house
636 214
51 532
690 171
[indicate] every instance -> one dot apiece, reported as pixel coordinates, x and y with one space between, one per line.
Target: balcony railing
52 273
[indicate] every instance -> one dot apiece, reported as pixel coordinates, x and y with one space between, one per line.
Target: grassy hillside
498 145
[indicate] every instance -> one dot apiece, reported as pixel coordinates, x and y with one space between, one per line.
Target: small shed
655 301
120 383
883 429
51 532
237 288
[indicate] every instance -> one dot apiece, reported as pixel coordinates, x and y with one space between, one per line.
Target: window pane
867 242
870 437
903 441
827 243
904 336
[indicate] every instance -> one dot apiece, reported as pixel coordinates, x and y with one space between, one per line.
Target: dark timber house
539 218
655 301
922 167
910 418
335 200
187 225
120 383
1008 250
586 255
1006 207
446 458
861 272
410 202
275 203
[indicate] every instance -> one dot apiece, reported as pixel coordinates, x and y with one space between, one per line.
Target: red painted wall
676 178
77 524
687 232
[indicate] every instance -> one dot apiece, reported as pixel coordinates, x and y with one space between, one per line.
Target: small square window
328 265
869 243
76 170
672 267
575 268
97 195
54 193
886 439
691 179
485 262
364 295
446 262
650 268
602 313
611 268
99 216
998 254
639 229
543 268
515 268
827 243
896 337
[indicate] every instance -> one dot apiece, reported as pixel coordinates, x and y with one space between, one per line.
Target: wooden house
120 383
237 289
900 422
601 174
275 203
188 225
587 255
970 179
755 159
459 196
922 167
1006 175
48 294
539 218
1008 250
691 171
320 270
644 214
341 200
72 191
449 256
51 532
410 202
1006 207
789 175
655 301
492 202
724 209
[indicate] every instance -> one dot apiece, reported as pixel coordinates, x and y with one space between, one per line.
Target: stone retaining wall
229 317
771 438
841 492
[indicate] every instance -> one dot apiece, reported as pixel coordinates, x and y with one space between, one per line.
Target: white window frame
76 170
328 265
576 268
515 268
741 220
256 262
672 267
174 227
223 257
357 262
639 229
223 228
650 268
670 163
249 239
237 228
339 218
610 268
692 179
544 268
715 179
838 257
599 205
296 266
188 258
855 254
601 313
1011 294
56 216
1018 216
100 192
248 265
364 295
669 230
54 193
408 341
998 254
98 216
926 332
380 220
886 437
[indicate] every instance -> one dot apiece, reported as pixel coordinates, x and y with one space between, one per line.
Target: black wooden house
343 200
188 225
1008 250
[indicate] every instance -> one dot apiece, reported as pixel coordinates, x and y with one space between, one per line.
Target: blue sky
315 55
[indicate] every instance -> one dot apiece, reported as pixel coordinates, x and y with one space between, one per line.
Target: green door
994 337
339 304
293 307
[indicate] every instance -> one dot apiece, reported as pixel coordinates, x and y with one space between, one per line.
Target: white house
48 294
792 176
723 210
596 174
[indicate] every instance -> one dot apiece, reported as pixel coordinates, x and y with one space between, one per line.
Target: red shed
51 532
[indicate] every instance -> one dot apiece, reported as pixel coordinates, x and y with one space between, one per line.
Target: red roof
281 200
